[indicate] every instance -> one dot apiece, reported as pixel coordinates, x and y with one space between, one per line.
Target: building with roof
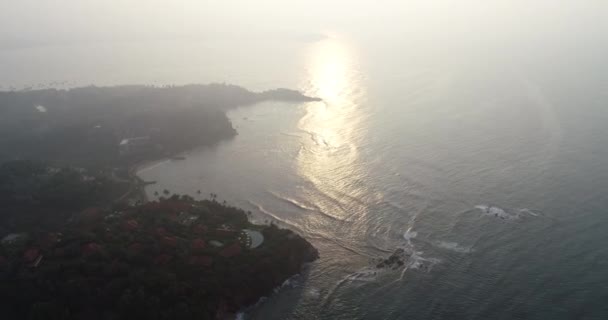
231 251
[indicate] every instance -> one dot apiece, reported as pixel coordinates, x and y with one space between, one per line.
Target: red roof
162 259
199 229
170 241
49 241
225 232
135 247
91 213
170 207
203 261
31 254
90 248
89 217
198 244
161 231
231 250
131 225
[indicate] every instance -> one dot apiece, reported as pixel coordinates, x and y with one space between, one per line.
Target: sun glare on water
329 155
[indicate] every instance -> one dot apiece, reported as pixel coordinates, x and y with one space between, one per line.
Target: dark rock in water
394 261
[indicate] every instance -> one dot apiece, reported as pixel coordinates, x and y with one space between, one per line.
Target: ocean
488 170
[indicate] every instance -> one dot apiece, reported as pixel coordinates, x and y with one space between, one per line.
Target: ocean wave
395 205
409 234
289 283
152 165
315 137
530 212
307 207
406 257
289 134
263 210
415 258
496 212
505 214
453 246
313 293
365 275
324 199
294 202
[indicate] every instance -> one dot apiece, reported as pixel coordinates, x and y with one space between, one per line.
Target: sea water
485 173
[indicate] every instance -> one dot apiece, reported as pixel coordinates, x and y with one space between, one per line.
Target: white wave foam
289 283
503 214
453 246
396 205
289 134
313 293
412 258
273 215
496 212
423 264
152 166
295 202
409 234
530 212
364 275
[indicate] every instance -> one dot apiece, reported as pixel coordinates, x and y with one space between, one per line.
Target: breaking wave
503 214
453 246
294 202
412 258
272 215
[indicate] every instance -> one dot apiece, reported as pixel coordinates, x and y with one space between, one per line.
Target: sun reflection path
329 159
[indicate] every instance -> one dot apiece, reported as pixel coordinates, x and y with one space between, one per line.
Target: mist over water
467 168
475 145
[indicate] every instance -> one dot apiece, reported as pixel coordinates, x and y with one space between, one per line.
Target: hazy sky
27 22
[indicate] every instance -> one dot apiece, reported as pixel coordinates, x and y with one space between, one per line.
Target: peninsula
79 242
118 126
172 259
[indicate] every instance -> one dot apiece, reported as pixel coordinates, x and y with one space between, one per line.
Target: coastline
242 312
189 253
